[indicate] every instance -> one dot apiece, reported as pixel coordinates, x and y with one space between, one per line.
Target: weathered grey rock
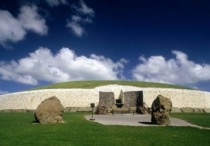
50 111
106 99
133 99
102 110
161 107
121 96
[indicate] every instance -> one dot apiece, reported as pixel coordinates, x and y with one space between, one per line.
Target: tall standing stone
106 99
161 107
133 98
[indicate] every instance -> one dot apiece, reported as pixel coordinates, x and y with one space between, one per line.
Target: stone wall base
190 110
17 111
78 109
89 109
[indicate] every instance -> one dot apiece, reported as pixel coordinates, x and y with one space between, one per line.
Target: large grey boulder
106 101
106 98
133 98
49 111
161 107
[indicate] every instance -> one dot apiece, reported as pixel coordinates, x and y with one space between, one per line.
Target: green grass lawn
194 118
18 129
93 84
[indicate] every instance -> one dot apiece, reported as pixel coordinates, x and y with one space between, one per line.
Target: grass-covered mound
93 84
18 129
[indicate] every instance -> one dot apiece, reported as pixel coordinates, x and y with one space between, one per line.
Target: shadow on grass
148 123
35 122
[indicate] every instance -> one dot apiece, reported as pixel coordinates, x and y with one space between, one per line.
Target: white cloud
178 70
56 2
14 29
10 28
31 20
76 28
83 16
76 18
6 73
42 65
85 9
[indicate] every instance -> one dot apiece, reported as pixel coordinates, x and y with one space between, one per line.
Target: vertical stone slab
121 96
106 99
133 98
102 110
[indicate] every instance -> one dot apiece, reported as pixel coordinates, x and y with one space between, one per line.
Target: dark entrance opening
139 100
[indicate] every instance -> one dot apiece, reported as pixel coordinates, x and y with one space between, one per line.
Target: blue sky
49 41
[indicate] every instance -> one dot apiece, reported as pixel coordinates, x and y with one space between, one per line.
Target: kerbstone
49 111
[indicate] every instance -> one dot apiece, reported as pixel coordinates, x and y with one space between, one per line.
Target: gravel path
136 120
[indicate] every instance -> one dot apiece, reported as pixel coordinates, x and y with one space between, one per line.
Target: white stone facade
83 97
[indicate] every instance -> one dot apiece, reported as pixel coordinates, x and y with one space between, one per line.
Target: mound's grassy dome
93 84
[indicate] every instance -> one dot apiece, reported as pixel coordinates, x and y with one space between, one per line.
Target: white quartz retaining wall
83 97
